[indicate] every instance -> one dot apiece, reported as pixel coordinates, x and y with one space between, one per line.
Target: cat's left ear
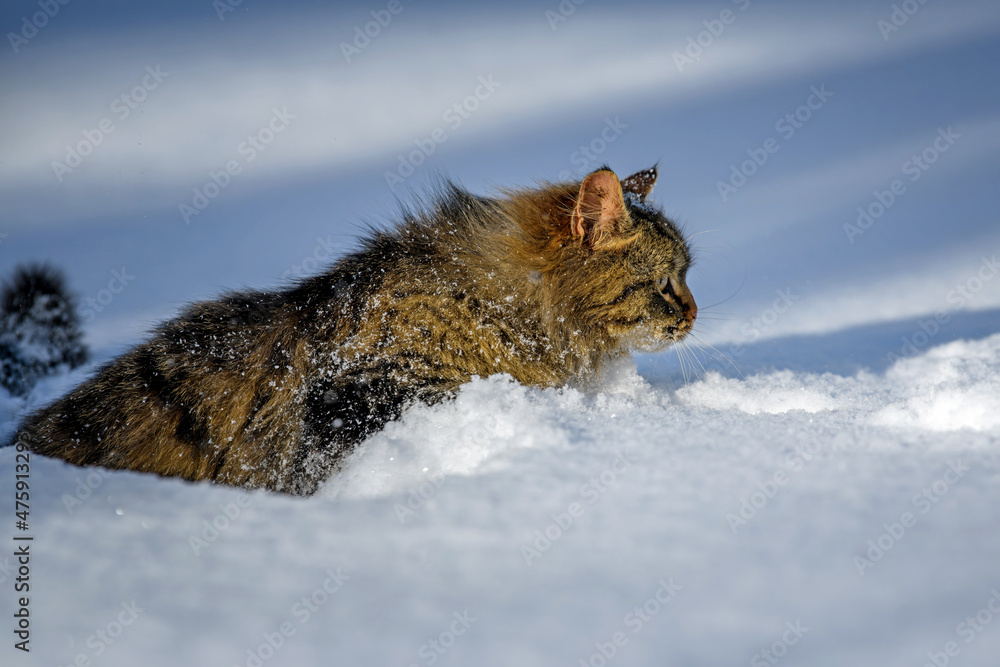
641 182
599 209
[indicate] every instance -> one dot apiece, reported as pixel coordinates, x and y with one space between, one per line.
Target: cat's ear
599 209
641 182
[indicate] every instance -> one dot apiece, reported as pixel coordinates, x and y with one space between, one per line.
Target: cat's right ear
641 182
599 209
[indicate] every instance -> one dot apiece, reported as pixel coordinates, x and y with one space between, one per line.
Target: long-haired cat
272 389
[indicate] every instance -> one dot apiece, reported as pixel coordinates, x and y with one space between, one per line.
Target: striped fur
273 389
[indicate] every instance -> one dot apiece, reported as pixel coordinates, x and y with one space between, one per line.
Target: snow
952 387
549 515
774 394
827 493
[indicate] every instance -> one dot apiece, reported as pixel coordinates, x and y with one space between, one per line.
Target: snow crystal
774 394
953 386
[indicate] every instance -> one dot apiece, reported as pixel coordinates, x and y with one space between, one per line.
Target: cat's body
273 389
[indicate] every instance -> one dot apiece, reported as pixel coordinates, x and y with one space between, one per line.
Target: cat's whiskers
680 360
719 352
687 346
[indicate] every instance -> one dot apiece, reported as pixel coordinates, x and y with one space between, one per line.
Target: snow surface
753 498
834 475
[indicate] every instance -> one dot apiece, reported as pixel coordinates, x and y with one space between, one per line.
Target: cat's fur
272 389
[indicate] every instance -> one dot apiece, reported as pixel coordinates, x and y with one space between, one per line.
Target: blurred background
834 163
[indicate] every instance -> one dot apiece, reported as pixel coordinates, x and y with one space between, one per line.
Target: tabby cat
273 389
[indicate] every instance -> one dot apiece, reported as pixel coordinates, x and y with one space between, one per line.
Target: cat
272 389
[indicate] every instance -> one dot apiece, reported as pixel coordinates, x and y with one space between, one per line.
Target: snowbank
825 519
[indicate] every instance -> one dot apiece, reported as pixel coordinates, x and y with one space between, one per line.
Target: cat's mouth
675 333
656 337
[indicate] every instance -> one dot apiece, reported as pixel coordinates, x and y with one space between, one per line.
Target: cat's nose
690 309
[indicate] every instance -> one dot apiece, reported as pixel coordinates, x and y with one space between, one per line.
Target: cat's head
629 261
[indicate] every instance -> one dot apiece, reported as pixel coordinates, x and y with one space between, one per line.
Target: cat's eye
663 284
